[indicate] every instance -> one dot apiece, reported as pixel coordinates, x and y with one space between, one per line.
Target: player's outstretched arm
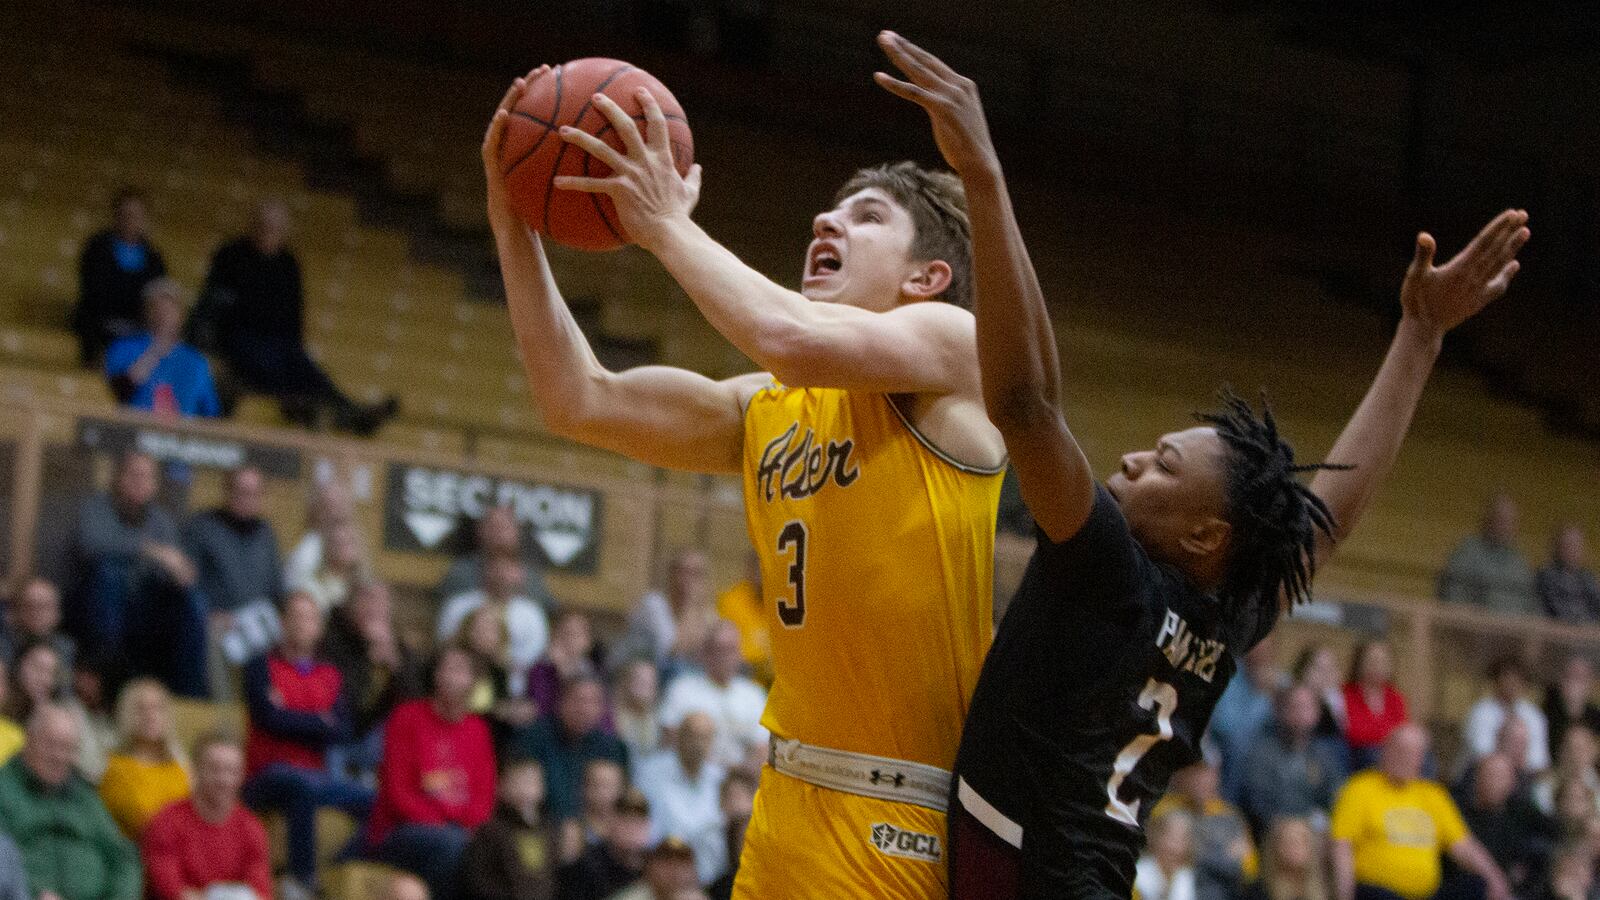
1016 345
655 414
919 348
1433 300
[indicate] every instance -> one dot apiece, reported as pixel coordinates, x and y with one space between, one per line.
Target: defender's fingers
914 68
932 63
656 133
905 90
1426 246
594 146
606 186
626 128
1500 282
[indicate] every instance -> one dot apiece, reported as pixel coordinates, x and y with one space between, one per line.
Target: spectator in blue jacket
154 369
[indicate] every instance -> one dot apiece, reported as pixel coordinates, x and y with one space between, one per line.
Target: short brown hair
938 207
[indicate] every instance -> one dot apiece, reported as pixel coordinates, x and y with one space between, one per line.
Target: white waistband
984 811
862 774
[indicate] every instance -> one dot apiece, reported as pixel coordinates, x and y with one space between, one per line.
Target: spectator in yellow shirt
1390 826
148 770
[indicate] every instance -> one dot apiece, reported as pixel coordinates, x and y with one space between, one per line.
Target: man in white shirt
1508 685
685 791
733 701
527 627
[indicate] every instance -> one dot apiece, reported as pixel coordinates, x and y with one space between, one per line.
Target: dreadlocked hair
1275 517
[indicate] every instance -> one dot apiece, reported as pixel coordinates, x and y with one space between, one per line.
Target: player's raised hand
644 183
950 99
500 212
1443 297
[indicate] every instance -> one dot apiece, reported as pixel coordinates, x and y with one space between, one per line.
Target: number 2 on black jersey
1164 698
793 615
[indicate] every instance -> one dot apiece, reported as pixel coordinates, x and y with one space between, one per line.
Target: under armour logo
898 779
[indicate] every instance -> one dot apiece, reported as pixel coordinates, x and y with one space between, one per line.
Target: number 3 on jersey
793 613
1164 698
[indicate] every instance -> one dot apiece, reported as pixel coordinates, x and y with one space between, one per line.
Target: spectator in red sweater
1373 707
296 712
437 779
208 846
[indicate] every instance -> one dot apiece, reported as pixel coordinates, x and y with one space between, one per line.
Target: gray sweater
13 877
237 561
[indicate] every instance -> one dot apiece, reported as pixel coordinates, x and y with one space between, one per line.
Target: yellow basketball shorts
810 843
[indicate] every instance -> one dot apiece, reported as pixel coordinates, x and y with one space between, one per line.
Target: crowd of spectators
131 323
1488 570
1337 794
515 757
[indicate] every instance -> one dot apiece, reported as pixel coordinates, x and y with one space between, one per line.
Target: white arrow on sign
429 528
560 546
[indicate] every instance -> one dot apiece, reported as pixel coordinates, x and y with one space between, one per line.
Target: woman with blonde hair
149 769
1291 867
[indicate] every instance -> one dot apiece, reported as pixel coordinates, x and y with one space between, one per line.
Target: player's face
860 252
1173 497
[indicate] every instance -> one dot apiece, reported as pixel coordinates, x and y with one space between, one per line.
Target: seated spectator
1576 762
1503 821
484 635
513 856
296 711
1373 706
745 606
636 688
496 534
684 788
1291 864
1390 826
1572 872
13 875
603 785
91 701
70 847
377 671
738 805
1243 712
1567 589
154 370
1317 667
235 553
1291 772
148 770
134 602
11 734
670 627
251 312
669 874
34 614
733 701
1222 855
526 627
605 868
1508 681
328 507
113 269
564 743
569 653
208 844
437 780
1567 702
1486 569
405 886
345 566
1165 870
36 680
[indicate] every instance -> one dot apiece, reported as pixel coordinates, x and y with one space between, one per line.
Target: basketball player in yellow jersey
871 484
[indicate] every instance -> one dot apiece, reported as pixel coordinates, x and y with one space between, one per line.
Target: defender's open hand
644 184
1442 297
950 99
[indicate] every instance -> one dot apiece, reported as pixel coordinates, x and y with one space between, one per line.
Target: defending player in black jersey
1143 591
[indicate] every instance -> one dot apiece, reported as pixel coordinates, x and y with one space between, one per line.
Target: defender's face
860 252
1166 493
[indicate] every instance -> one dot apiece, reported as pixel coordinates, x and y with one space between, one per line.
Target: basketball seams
601 207
555 115
577 120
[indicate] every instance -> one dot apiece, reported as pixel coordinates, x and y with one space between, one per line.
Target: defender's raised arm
1016 345
655 414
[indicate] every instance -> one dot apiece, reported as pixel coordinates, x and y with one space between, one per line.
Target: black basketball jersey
1101 680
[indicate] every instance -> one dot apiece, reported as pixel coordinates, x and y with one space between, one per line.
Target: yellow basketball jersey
877 556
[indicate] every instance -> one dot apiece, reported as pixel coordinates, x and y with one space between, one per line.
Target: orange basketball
533 153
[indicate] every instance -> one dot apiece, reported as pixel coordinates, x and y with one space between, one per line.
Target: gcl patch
894 841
